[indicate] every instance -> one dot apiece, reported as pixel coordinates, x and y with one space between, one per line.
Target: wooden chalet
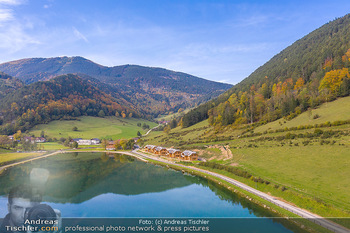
189 155
160 150
149 148
174 153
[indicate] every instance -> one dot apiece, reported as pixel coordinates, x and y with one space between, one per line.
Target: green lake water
110 185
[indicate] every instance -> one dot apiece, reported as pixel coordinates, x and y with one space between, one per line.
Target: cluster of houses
80 141
30 139
172 153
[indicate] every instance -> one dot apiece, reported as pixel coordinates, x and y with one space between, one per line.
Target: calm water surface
102 185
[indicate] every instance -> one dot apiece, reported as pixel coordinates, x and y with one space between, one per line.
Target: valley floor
222 178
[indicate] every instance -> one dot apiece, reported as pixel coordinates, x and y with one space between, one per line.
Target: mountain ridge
153 90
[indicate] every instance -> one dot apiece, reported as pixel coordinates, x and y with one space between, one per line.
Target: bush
283 188
318 132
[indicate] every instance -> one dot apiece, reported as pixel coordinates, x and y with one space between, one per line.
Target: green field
52 146
4 150
93 127
6 157
314 170
177 135
333 111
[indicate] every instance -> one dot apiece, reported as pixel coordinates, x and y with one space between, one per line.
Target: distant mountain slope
8 84
312 70
154 90
63 97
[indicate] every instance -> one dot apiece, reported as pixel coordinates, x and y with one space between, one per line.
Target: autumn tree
101 113
299 84
104 143
167 129
18 135
333 80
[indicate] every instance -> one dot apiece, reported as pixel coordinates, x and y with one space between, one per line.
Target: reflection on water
78 177
112 185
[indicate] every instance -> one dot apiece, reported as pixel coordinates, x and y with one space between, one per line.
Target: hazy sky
218 40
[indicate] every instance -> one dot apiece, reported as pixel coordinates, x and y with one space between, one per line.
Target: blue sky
218 40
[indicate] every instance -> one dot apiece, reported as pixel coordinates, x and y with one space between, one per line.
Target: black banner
200 225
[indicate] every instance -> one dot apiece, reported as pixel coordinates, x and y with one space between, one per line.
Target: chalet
160 150
149 148
11 137
174 153
189 155
112 142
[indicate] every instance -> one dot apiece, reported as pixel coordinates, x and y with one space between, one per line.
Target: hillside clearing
332 111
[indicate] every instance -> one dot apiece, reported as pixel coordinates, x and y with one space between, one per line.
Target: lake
100 185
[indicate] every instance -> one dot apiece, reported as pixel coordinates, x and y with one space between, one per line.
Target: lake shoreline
300 223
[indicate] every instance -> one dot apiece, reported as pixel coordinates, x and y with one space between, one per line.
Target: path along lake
114 185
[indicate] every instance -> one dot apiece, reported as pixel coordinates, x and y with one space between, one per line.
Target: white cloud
10 2
79 35
253 21
13 36
5 15
13 39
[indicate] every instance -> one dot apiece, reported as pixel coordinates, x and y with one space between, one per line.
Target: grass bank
7 158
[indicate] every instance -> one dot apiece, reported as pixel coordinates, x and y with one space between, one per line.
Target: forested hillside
152 90
8 84
64 97
313 70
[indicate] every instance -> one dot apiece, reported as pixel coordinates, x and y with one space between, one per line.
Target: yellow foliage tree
333 79
299 84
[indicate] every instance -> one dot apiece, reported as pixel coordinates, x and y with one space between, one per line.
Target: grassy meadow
93 127
312 170
88 127
177 135
311 165
332 111
6 157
